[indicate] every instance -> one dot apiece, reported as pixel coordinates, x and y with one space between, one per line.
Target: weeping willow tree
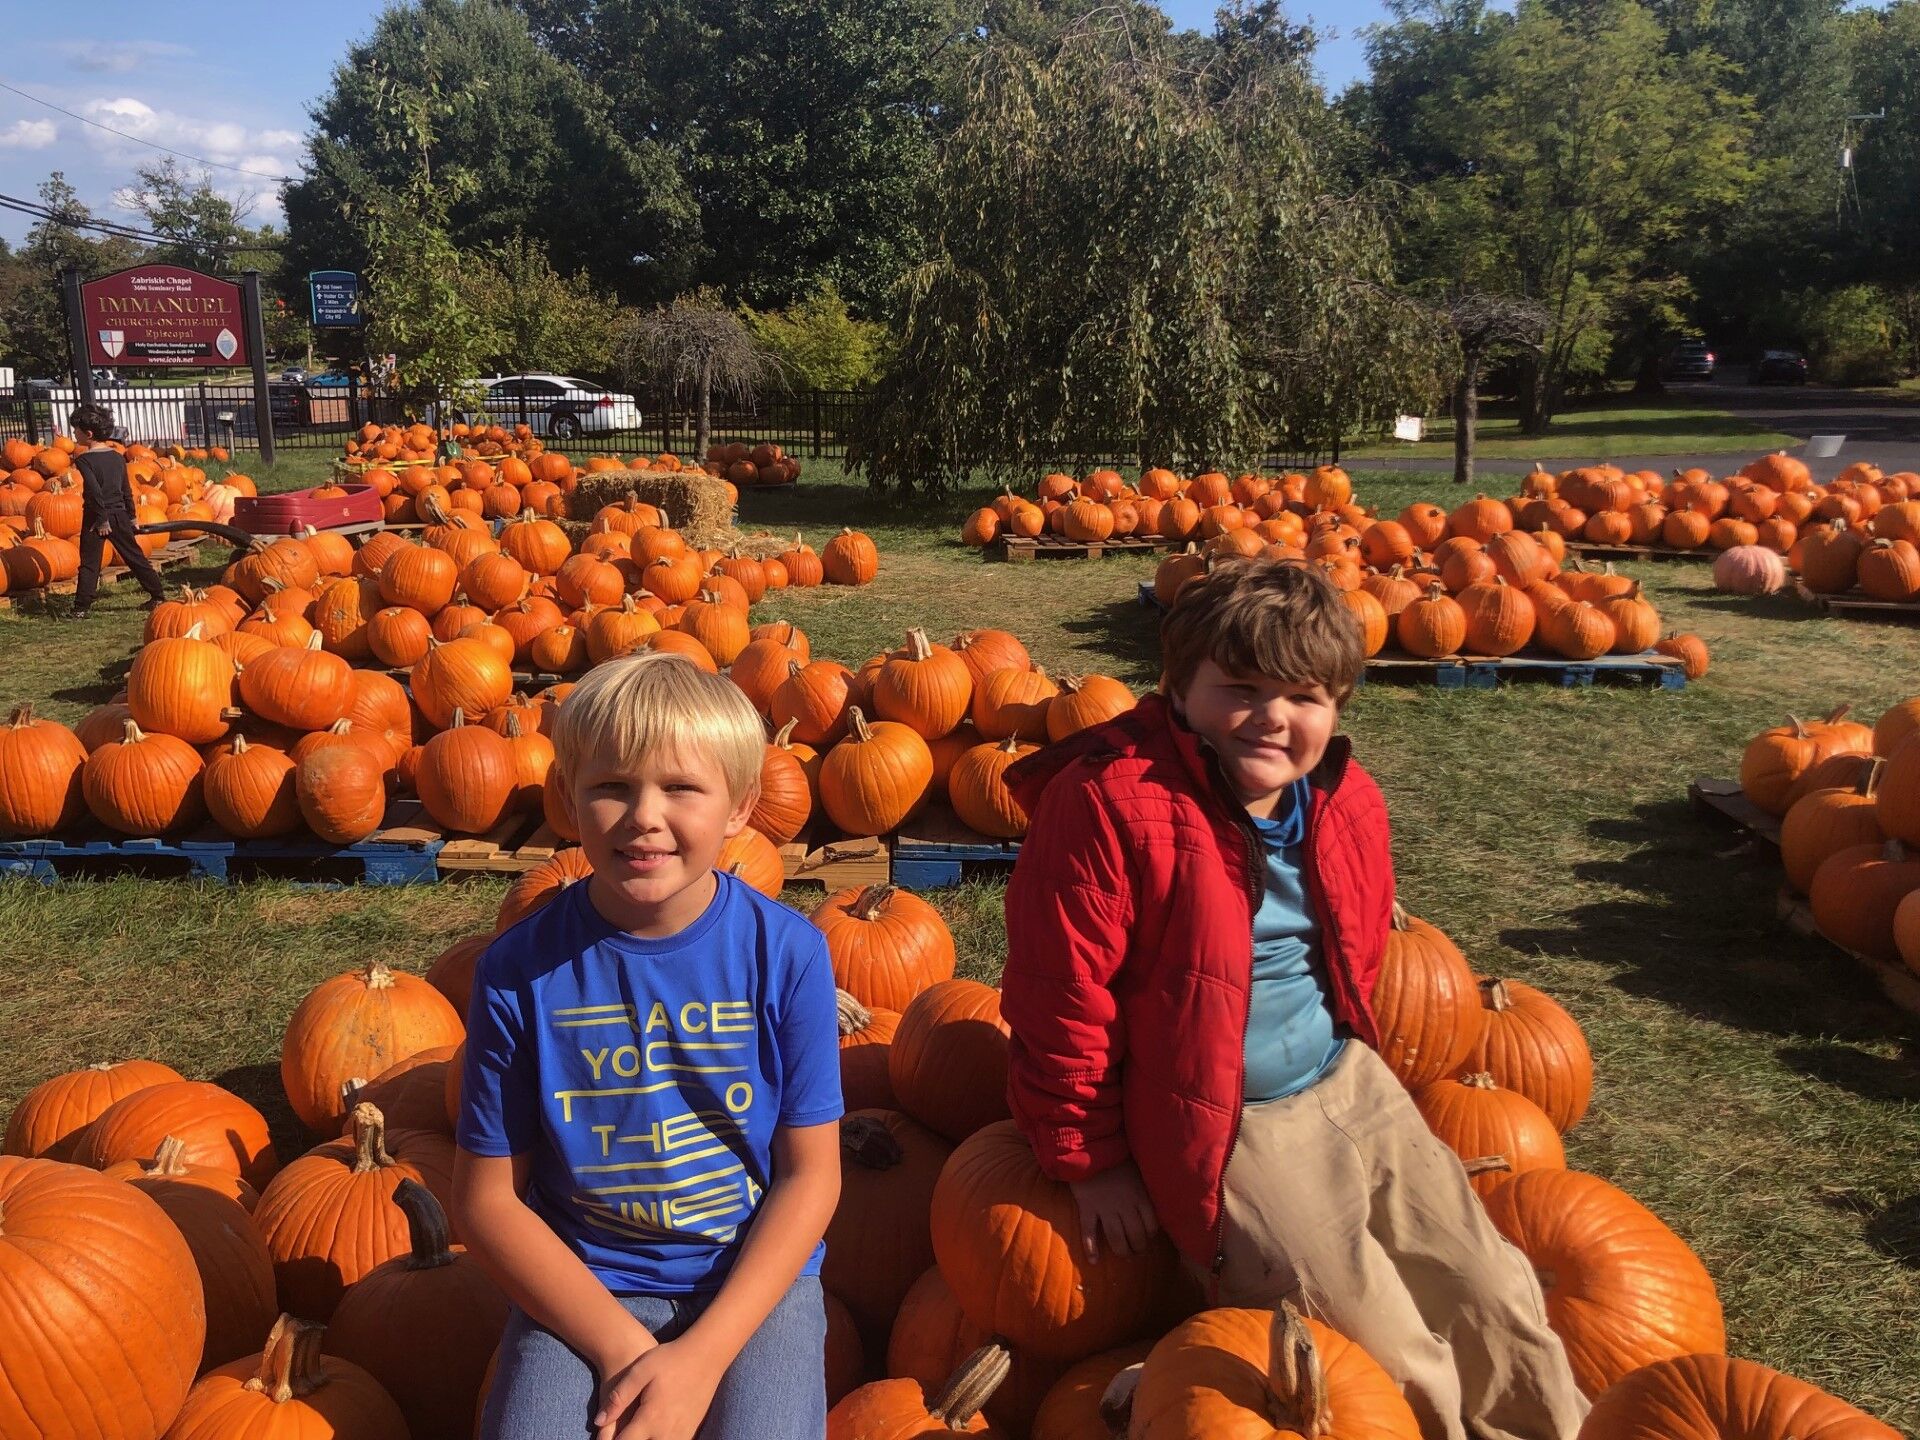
1135 249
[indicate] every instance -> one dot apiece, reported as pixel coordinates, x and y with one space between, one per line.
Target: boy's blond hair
1277 618
640 704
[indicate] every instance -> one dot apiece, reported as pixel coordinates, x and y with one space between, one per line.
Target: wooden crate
1019 549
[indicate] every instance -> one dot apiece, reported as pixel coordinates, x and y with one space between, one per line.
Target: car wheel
565 427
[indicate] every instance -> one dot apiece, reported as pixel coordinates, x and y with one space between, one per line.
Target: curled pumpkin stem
1294 1377
972 1385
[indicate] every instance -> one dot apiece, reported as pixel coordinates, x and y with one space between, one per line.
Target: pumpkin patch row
1103 507
1504 595
952 1264
1848 799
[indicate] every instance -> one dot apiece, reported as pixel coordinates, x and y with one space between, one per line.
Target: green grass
1753 1088
1609 432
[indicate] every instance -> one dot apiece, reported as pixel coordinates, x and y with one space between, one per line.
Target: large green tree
1127 259
1557 181
799 126
540 145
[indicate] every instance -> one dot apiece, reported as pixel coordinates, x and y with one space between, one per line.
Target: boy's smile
1267 733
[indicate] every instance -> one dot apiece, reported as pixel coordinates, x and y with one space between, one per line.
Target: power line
122 232
164 150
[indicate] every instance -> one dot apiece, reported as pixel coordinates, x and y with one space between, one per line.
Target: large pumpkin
1425 1003
329 1218
1857 891
1008 1241
1265 1375
101 1316
1085 701
358 1026
948 1061
872 780
215 1127
424 1324
182 687
923 686
467 676
1825 821
40 765
49 1122
466 775
1479 1121
144 783
978 792
849 559
886 944
1622 1290
1530 1044
1715 1397
289 1391
880 1241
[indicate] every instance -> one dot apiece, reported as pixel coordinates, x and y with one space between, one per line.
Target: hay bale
690 499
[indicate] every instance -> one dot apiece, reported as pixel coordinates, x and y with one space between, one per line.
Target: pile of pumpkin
1104 507
1472 582
1848 800
174 1245
41 506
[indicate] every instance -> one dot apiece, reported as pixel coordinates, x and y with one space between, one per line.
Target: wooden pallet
1855 606
1899 984
1018 549
180 552
513 847
1725 800
1588 550
839 862
934 849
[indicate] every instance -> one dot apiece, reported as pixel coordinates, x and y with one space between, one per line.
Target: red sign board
163 315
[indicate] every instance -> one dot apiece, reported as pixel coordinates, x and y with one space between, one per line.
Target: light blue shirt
1291 1037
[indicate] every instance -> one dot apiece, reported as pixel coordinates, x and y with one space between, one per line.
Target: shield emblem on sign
112 342
226 344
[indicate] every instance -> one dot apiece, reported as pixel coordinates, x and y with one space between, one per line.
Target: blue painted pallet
395 855
934 849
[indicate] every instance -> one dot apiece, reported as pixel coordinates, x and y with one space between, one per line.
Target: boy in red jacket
1193 931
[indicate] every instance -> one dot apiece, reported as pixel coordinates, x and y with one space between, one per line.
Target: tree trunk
1648 381
1466 417
1536 408
703 415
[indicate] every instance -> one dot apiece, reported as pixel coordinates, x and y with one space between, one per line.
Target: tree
1577 189
1483 326
695 349
543 320
819 343
800 127
34 317
1128 258
540 145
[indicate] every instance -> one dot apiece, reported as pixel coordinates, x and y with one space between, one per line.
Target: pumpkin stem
918 646
169 1157
22 715
1496 997
1479 1080
1487 1165
853 1017
1116 1401
971 1386
866 1140
1870 781
855 721
130 733
426 1226
783 737
1400 918
290 1363
872 901
378 975
369 1138
1294 1377
1838 715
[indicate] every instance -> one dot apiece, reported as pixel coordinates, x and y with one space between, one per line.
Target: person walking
107 512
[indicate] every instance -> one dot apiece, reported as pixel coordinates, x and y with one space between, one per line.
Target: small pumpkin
214 1128
1478 1120
1718 1397
1529 1044
1426 1005
866 1038
41 764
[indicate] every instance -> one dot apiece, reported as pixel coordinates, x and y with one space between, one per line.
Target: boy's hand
1115 1202
618 1355
663 1394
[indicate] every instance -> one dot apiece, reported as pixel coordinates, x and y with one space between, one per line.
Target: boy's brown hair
1277 618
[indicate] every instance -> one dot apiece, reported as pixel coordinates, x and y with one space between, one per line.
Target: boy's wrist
620 1347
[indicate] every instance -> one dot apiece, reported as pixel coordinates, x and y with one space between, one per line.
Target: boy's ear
743 810
566 805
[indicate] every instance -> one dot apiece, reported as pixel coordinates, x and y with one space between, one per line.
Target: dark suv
1690 360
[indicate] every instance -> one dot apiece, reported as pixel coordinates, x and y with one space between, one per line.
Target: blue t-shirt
646 1077
1291 1037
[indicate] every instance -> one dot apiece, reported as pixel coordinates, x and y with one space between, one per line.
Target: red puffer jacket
1130 951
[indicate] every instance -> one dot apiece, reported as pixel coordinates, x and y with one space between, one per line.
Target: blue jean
775 1390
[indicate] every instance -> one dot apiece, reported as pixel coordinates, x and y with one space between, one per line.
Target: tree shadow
1696 931
1894 1231
1124 630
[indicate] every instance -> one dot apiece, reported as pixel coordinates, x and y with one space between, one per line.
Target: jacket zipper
1252 840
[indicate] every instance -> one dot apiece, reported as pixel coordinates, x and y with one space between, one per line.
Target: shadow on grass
1698 935
1895 1232
1124 630
259 1086
112 677
1768 607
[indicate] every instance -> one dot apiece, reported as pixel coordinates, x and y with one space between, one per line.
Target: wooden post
257 352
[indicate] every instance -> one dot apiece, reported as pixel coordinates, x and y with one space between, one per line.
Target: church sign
163 315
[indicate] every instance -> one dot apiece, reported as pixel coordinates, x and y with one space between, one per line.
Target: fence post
818 449
25 390
206 427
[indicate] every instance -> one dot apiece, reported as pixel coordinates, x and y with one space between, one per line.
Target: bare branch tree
1484 325
692 350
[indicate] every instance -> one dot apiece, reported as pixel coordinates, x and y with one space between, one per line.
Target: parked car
105 376
329 379
1690 360
557 405
293 375
1779 367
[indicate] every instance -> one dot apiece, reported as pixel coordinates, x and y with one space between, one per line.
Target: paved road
1879 430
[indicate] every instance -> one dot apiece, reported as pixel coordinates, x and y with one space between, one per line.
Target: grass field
1611 431
1753 1088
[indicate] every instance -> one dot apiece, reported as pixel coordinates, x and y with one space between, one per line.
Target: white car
559 406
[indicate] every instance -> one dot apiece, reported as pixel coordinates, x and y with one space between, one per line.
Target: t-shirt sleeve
809 1040
499 1087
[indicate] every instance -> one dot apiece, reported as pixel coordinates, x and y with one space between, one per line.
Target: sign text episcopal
163 315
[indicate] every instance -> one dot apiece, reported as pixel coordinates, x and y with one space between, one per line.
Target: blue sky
231 82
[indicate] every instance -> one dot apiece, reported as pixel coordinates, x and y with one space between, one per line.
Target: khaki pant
1341 1200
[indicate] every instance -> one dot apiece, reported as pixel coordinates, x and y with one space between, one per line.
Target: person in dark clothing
108 510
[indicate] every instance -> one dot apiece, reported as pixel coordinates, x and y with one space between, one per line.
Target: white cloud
119 57
269 151
29 135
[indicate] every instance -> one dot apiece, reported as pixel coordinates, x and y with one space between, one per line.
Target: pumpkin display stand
933 848
1588 550
1017 549
1855 605
1724 800
177 552
1488 672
